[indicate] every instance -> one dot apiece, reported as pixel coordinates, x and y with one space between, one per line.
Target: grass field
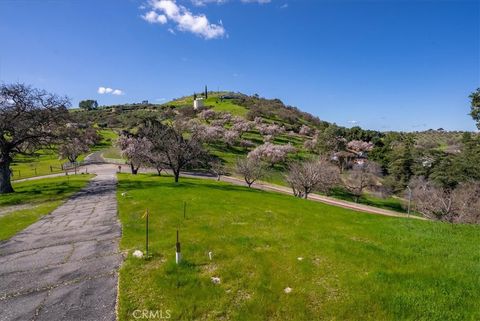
214 102
46 162
355 266
39 197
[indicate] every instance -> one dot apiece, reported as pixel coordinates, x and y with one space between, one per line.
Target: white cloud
108 90
205 2
353 122
154 17
284 6
163 11
256 1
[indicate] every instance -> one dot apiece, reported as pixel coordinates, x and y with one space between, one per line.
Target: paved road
64 267
95 157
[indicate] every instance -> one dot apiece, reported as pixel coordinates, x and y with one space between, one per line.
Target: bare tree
29 120
460 205
313 175
173 150
432 200
251 168
361 176
467 202
218 168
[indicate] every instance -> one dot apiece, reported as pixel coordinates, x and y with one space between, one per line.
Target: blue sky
386 65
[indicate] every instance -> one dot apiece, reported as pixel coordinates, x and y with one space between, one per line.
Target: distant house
197 103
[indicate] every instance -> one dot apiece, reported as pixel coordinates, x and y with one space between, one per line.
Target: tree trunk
177 175
5 175
134 170
159 171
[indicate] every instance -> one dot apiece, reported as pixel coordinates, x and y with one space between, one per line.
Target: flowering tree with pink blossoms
231 137
270 129
306 131
359 147
241 126
207 115
137 151
271 153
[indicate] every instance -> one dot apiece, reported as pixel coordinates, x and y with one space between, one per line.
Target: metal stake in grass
178 254
146 232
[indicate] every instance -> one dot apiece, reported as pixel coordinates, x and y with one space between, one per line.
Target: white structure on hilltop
197 103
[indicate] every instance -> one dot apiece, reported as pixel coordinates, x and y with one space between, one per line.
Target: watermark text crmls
152 314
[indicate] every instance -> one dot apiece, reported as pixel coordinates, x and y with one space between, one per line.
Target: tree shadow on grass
49 191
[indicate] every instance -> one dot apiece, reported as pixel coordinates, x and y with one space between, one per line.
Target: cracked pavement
64 267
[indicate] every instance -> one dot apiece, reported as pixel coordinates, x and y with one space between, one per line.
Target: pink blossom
272 153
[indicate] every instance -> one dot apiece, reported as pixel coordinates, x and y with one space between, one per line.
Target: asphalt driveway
64 267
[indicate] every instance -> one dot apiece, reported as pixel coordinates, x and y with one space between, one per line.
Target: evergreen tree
475 106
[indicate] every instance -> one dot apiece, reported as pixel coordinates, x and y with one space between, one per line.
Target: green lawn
355 266
40 197
46 162
113 153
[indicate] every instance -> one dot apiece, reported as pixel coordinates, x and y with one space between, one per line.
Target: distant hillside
239 104
439 139
233 125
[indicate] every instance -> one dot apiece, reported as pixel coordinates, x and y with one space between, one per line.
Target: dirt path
64 267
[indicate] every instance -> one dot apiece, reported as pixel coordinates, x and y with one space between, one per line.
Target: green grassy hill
340 264
215 102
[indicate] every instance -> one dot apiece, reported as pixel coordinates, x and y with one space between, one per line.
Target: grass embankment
35 199
355 266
